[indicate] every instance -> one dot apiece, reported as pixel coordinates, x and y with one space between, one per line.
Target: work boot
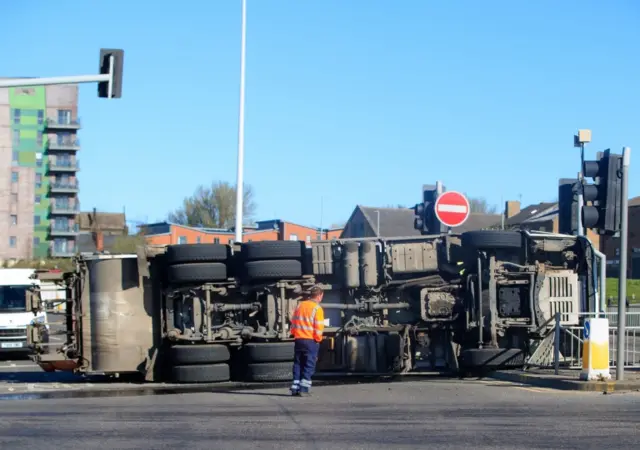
295 392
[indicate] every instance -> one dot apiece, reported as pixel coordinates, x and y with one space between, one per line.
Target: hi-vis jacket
308 321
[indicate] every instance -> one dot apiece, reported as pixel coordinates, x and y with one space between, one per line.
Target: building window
39 138
36 220
25 91
14 177
40 116
37 199
198 240
293 237
38 180
36 241
14 198
182 240
216 240
16 116
64 116
15 156
16 138
14 219
13 241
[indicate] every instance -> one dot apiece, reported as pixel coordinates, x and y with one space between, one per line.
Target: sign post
622 278
452 209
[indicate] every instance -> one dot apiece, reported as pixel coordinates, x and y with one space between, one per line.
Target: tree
127 243
480 205
214 207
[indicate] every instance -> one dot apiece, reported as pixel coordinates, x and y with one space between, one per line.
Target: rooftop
399 222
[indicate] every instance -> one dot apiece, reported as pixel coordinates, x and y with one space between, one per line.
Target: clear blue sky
352 102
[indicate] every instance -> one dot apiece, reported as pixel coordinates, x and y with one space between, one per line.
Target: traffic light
604 212
425 217
568 191
116 70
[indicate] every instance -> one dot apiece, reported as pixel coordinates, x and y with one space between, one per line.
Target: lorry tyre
491 358
196 273
188 253
201 373
268 352
268 270
199 354
256 251
272 371
489 240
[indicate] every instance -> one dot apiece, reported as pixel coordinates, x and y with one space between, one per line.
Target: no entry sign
452 209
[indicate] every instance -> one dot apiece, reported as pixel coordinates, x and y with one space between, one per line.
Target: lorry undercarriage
209 312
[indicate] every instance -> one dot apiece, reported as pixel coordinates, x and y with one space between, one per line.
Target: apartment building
38 171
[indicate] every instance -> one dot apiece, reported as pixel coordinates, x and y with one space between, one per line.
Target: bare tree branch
480 205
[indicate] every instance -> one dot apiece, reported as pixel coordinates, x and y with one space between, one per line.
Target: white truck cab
14 316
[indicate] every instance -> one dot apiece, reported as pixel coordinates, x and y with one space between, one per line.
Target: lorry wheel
255 251
196 273
199 354
272 371
268 352
201 373
491 358
268 270
187 253
488 239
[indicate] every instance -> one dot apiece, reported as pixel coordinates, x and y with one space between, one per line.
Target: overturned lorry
211 313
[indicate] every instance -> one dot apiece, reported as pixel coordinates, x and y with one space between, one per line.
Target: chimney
511 208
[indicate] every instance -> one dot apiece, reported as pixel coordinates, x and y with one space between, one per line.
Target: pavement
570 380
441 414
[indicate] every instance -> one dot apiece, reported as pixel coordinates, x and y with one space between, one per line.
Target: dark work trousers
304 364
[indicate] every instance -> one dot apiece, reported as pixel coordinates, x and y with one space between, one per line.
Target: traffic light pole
622 278
109 79
76 79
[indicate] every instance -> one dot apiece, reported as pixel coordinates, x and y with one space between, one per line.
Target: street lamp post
240 176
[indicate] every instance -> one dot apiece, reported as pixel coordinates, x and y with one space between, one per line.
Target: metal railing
64 143
563 347
64 165
64 229
65 209
68 185
53 122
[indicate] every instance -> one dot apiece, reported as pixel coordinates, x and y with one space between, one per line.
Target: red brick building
167 233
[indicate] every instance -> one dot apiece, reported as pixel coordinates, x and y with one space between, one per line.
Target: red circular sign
452 209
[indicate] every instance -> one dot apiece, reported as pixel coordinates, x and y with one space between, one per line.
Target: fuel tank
117 307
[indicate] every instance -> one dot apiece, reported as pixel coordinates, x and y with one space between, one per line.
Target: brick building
399 222
38 171
167 233
539 217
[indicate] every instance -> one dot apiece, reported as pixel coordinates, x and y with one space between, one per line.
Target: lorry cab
16 288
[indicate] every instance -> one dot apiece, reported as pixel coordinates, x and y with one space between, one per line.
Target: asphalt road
419 414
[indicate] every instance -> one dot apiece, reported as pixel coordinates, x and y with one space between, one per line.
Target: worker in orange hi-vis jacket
307 325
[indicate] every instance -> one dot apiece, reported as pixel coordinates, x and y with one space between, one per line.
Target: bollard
556 345
595 350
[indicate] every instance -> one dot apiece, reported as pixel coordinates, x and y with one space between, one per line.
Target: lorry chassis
209 312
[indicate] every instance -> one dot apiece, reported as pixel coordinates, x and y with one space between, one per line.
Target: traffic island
569 380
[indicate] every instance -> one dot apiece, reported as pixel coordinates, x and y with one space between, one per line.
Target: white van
14 316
